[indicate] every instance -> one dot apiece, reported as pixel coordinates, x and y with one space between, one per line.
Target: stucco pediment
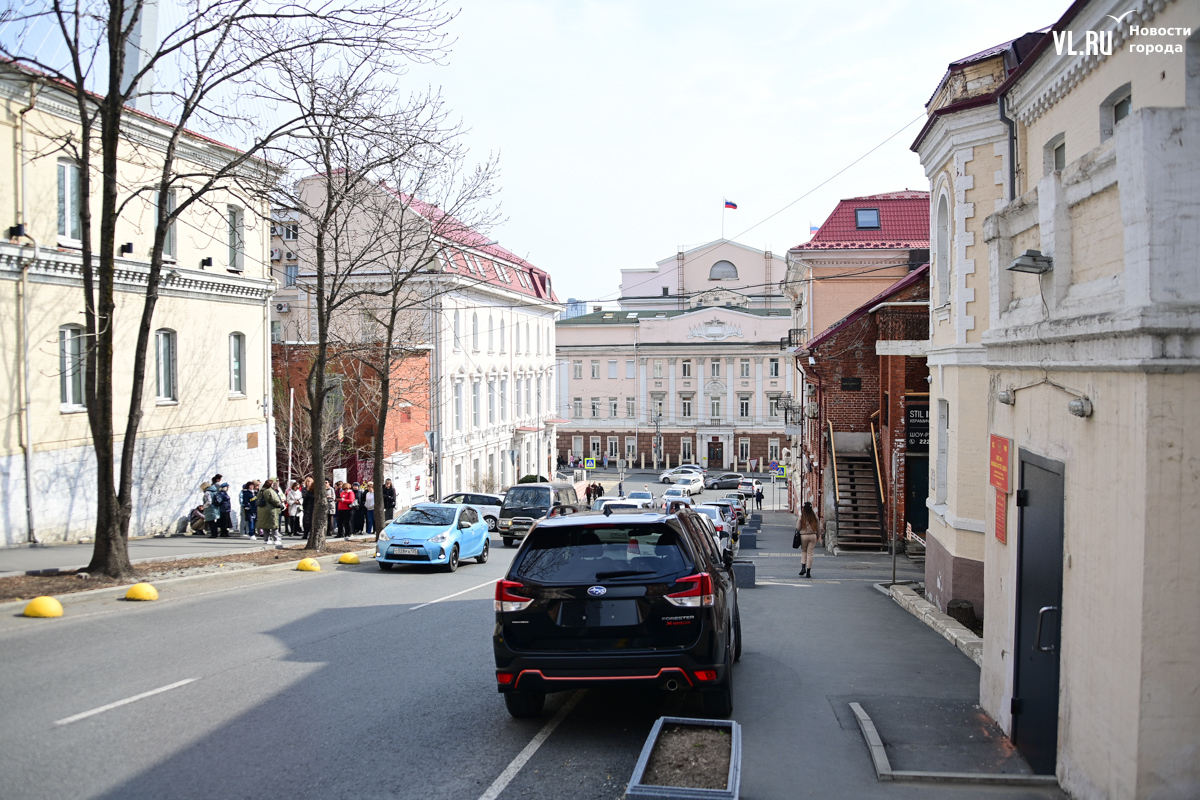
715 330
720 297
714 387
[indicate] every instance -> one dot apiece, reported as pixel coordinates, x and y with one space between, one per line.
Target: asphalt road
356 683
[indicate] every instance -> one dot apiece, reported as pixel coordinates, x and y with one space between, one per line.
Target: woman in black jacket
359 517
308 503
389 500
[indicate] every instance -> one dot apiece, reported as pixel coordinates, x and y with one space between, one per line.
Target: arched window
457 329
723 271
475 332
237 363
70 365
942 254
166 383
491 335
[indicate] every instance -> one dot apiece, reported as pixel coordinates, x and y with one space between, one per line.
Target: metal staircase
859 515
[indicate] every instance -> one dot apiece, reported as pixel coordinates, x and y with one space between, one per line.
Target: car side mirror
727 558
463 524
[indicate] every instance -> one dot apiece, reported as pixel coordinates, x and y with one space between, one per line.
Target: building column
643 399
671 390
760 414
731 398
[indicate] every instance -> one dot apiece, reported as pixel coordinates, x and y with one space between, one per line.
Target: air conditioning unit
291 256
282 308
276 253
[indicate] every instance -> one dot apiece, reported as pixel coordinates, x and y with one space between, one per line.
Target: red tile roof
903 224
919 274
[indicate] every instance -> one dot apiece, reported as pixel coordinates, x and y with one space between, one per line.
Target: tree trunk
385 394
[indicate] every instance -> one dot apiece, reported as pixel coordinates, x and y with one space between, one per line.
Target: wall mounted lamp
125 249
1032 262
1080 407
16 231
1007 396
206 261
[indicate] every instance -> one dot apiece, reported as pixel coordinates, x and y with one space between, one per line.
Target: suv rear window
527 497
611 552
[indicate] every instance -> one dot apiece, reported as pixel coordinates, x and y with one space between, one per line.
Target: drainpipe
27 443
1012 149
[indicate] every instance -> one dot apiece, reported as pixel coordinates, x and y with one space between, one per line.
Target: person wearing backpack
269 506
212 509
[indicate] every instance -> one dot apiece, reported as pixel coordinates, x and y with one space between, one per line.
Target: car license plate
406 551
599 613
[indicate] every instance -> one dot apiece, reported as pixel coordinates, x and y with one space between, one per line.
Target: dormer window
866 218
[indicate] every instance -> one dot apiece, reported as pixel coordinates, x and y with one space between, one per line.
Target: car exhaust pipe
672 685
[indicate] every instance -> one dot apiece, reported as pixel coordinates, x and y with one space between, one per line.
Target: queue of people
270 510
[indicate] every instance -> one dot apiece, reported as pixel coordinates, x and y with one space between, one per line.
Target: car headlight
444 536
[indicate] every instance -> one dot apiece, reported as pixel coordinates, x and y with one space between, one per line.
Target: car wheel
718 703
491 523
508 541
452 561
666 480
525 705
737 632
386 566
483 557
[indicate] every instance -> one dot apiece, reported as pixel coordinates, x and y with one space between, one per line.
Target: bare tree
213 58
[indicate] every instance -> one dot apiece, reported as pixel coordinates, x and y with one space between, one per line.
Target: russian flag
813 228
730 204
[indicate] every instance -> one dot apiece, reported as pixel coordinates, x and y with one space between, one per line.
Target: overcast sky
623 124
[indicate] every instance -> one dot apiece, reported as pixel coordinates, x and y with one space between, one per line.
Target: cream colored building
203 407
1086 273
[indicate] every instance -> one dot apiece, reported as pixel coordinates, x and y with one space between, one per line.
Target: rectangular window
612 369
291 274
475 404
772 449
685 407
866 218
687 368
458 409
744 366
773 368
169 242
744 407
491 402
630 449
595 407
237 363
630 408
658 368
237 239
716 368
613 447
517 398
577 446
70 201
743 449
1060 156
595 369
165 374
658 407
276 331
612 407
290 231
528 397
685 449
630 369
70 365
577 407
595 445
714 406
504 399
773 406
1121 108
577 370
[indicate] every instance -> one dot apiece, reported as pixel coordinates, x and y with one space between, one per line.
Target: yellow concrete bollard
348 558
308 565
141 591
44 607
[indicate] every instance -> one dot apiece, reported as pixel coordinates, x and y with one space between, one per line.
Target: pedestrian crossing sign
780 471
589 463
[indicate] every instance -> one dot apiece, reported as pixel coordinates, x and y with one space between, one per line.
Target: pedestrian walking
806 529
308 503
345 508
248 500
295 504
359 518
758 497
620 488
369 507
331 499
225 511
270 504
212 510
389 500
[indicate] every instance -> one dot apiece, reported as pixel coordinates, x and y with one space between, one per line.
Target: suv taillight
700 593
507 600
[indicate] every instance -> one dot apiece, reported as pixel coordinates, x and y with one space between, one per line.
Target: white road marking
126 701
451 596
510 772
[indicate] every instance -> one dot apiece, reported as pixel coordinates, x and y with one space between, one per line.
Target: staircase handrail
837 492
878 474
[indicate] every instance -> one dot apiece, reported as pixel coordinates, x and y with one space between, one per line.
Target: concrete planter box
743 573
643 791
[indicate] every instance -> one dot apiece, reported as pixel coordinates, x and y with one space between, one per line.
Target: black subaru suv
622 599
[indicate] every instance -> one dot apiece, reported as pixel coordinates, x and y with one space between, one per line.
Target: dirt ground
690 755
26 587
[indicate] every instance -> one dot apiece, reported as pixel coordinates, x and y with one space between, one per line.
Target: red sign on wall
1002 517
998 463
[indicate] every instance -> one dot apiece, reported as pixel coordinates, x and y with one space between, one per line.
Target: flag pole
722 218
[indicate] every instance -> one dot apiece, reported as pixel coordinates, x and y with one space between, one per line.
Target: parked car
693 483
598 503
434 533
736 509
642 499
672 475
748 486
628 599
695 467
726 480
722 521
675 494
488 505
526 503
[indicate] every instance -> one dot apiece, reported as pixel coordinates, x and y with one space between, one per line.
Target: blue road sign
589 463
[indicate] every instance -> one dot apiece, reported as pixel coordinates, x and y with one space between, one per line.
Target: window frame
71 365
166 369
237 364
235 217
862 220
69 185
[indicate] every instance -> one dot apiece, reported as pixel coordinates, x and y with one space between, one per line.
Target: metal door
716 455
917 490
1039 611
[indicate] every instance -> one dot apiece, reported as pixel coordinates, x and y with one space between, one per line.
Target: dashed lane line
452 596
125 702
510 772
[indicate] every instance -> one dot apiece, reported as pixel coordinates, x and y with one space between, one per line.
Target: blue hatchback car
434 533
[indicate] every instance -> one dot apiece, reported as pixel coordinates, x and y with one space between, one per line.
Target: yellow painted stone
43 607
141 591
348 558
308 565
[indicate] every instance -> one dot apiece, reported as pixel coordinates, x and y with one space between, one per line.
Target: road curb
951 629
119 590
